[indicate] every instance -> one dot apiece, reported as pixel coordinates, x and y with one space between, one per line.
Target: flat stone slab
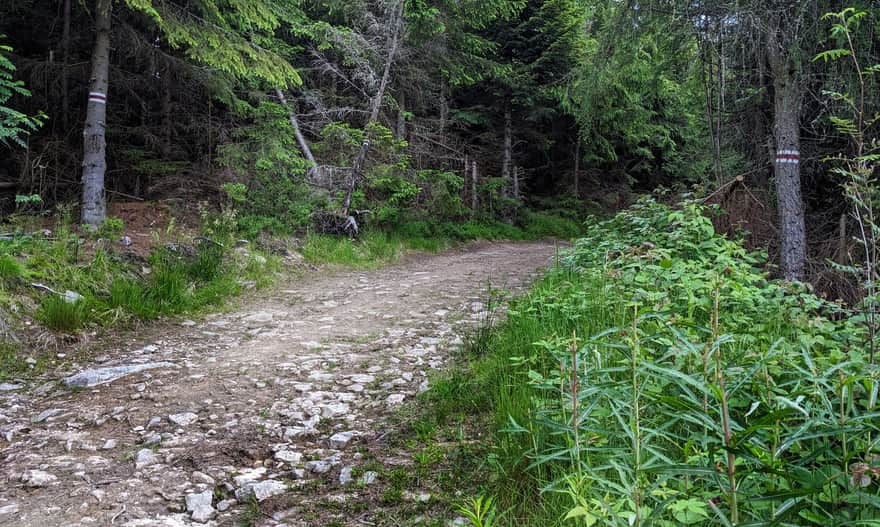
94 377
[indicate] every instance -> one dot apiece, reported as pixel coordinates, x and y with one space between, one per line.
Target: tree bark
357 168
401 118
65 60
786 131
508 149
474 201
94 141
516 190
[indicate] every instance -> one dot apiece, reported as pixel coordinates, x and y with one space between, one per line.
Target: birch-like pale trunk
474 176
94 164
297 132
357 168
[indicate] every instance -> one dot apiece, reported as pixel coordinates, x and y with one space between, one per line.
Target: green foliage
858 169
266 156
55 312
637 97
14 125
656 377
10 268
480 512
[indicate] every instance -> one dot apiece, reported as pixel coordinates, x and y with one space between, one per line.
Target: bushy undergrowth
656 377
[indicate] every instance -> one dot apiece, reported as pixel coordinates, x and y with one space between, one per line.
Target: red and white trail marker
98 97
792 157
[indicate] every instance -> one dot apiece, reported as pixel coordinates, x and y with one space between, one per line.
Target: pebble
318 467
184 419
289 456
341 439
261 491
369 477
38 478
199 505
109 444
345 476
46 414
201 477
145 458
395 399
94 377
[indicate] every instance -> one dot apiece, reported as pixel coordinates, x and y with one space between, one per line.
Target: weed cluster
81 287
657 378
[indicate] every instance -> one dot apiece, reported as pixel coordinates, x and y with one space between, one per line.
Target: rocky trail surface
250 416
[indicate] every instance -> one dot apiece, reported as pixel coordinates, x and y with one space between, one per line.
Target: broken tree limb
357 168
300 138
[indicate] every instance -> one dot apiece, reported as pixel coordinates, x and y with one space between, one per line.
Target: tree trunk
300 138
474 202
357 168
65 60
786 130
508 150
401 118
577 169
94 142
516 190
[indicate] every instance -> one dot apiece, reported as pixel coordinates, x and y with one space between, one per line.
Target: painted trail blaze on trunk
94 142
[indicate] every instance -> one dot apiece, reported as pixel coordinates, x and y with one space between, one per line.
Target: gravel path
277 399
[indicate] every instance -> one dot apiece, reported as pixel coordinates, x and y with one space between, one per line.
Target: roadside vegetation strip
656 376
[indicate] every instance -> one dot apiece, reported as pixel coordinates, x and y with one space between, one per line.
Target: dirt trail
276 401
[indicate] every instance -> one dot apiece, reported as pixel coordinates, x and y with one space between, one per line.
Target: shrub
658 378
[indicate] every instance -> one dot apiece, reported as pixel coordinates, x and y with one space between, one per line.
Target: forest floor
279 411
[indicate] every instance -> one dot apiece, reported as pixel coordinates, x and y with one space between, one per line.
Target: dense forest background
426 112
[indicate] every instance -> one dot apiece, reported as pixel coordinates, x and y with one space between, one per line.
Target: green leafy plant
657 377
14 125
480 512
858 170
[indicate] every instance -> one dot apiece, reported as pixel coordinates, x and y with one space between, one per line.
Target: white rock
289 456
12 508
318 467
341 439
89 378
46 414
395 398
144 458
345 476
259 318
184 419
201 477
362 378
249 476
38 478
335 410
369 477
109 444
200 506
224 505
261 491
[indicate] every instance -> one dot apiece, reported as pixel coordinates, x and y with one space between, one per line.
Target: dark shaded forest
444 111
